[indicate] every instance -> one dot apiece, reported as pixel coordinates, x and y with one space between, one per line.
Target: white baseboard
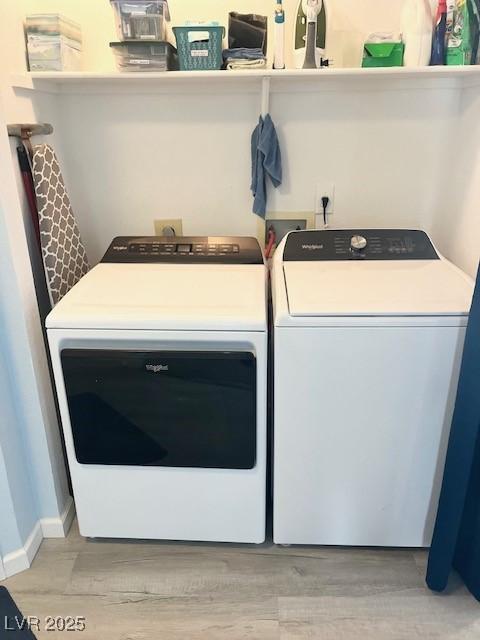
22 558
59 527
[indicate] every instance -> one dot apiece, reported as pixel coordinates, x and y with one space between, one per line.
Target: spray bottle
439 50
279 55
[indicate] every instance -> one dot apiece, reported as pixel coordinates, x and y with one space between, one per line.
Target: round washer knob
357 243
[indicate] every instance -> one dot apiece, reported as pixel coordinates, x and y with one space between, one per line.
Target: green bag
463 40
383 54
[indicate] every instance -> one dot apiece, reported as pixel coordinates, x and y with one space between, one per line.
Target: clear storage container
53 54
145 56
54 43
141 19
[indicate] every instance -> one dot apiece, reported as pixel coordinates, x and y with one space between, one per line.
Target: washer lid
165 296
377 288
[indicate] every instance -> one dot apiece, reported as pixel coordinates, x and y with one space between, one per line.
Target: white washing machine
369 327
160 363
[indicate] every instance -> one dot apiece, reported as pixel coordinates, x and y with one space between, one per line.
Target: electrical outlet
325 189
168 227
282 227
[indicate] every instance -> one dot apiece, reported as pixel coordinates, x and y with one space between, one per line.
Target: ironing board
64 257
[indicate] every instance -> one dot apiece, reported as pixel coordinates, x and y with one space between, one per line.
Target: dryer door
162 408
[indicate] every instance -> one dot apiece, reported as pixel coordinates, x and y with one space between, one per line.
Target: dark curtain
456 539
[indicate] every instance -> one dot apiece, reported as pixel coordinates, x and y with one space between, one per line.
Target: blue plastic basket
201 55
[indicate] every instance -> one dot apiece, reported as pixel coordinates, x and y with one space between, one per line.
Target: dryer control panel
184 250
359 244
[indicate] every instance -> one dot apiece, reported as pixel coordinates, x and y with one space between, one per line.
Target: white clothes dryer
160 363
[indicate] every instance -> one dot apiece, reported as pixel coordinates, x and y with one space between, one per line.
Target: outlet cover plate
325 189
175 224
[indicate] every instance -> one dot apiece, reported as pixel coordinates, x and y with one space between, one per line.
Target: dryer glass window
167 409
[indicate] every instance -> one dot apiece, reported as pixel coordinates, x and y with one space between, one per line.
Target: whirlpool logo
312 247
156 368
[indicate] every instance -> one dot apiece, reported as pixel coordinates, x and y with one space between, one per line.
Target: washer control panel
359 244
184 250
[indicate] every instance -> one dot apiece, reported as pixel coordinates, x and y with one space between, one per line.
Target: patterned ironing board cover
64 257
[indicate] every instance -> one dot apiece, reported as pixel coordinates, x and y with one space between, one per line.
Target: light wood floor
170 591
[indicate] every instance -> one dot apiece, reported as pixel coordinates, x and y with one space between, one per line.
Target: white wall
20 509
457 227
382 149
24 347
33 431
130 160
18 505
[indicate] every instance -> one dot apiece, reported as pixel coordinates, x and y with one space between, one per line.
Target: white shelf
281 80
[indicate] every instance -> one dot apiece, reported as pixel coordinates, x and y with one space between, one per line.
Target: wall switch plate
325 189
163 226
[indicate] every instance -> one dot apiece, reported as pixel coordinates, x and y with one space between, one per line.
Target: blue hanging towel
456 539
266 161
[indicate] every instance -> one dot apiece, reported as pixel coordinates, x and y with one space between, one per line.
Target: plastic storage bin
199 47
141 19
144 56
54 43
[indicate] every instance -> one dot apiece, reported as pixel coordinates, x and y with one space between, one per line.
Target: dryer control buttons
185 250
358 243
